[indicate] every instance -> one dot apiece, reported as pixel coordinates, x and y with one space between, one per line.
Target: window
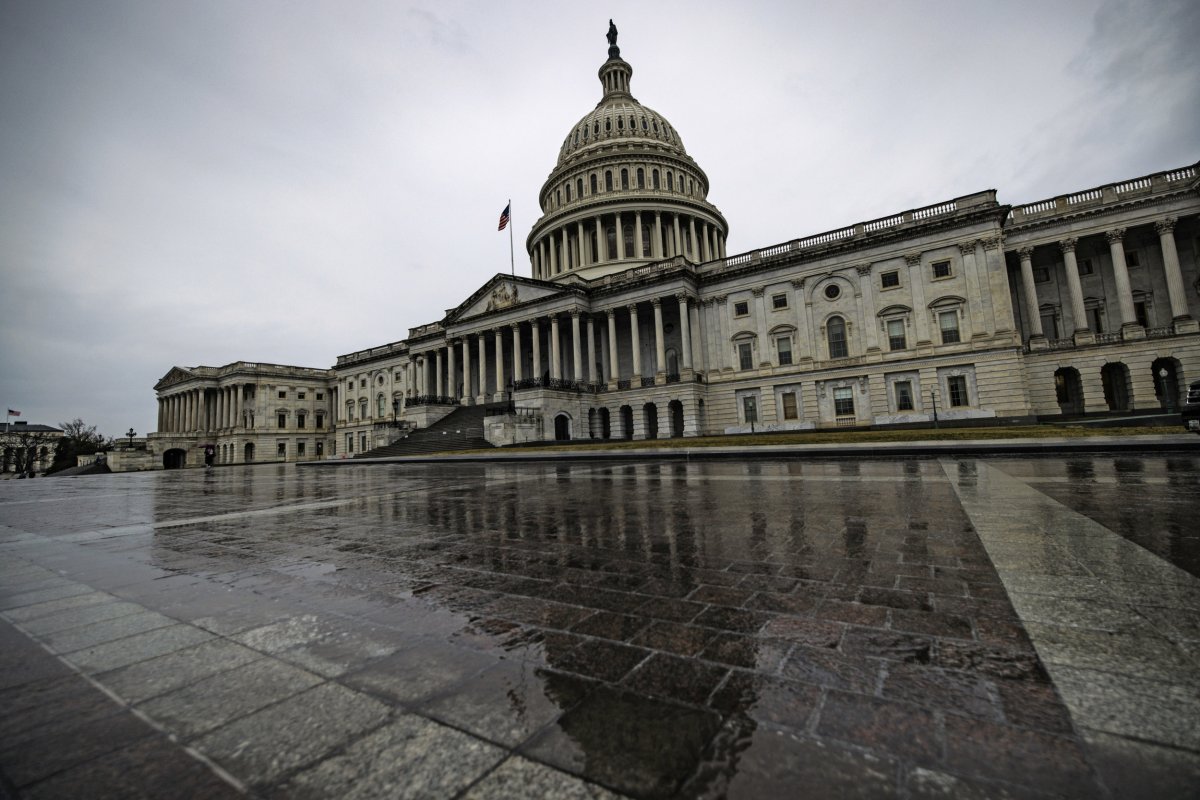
608 185
741 308
1131 259
745 355
1139 310
784 345
941 269
362 441
670 181
624 179
948 323
300 395
1041 275
957 385
904 395
779 301
843 401
299 449
320 421
281 449
750 408
299 420
320 395
790 410
889 280
320 449
283 395
579 187
833 291
1096 316
380 409
1085 266
641 178
282 419
594 189
362 384
895 332
654 179
836 331
349 442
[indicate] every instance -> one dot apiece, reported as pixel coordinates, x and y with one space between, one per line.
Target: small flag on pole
13 413
504 217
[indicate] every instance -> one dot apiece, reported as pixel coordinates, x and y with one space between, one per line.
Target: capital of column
1115 235
682 297
1165 225
758 291
610 313
632 308
863 269
514 325
656 302
1025 253
1068 245
991 242
912 259
798 283
967 248
721 299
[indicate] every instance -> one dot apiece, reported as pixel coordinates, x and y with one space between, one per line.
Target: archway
1168 379
248 450
562 428
174 458
1068 390
1115 379
605 427
592 429
675 411
650 418
626 422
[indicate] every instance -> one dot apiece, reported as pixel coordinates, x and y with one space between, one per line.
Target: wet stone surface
912 628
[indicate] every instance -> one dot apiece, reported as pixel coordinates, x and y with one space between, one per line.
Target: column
591 350
566 251
760 319
1030 292
575 345
467 394
976 324
916 279
1078 312
724 351
219 409
201 410
704 249
614 370
620 238
866 288
535 332
1179 309
452 371
601 240
678 244
544 249
638 252
439 374
997 272
660 344
481 397
635 338
518 367
555 350
237 406
553 254
685 325
1116 249
500 383
410 382
656 248
579 246
694 253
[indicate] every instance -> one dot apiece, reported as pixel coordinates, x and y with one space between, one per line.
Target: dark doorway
562 428
1115 378
675 409
1068 390
605 427
626 422
174 459
650 418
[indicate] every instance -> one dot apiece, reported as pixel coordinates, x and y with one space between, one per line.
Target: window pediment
894 311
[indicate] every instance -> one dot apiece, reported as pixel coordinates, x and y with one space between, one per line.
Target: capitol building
635 323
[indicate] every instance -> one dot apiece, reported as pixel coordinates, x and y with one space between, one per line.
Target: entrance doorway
1115 378
174 458
1068 390
562 428
675 410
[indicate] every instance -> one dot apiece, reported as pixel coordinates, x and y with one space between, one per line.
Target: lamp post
395 410
130 433
1162 373
933 399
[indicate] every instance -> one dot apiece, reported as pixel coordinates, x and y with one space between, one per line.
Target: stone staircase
461 429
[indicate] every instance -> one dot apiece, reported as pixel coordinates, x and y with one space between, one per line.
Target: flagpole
512 262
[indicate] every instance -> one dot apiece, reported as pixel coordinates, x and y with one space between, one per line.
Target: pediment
174 376
499 293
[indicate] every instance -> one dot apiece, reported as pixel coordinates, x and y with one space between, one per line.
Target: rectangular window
941 269
320 421
1131 259
784 345
895 331
1139 310
282 420
362 384
1041 275
741 308
362 440
300 395
904 395
349 442
1096 316
790 410
745 355
299 420
299 449
889 280
779 301
957 385
1085 266
843 402
320 449
281 449
283 395
750 409
1050 325
320 395
948 322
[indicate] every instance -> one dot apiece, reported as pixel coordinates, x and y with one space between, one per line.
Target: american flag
504 218
14 413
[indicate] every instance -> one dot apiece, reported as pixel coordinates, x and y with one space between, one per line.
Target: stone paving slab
916 628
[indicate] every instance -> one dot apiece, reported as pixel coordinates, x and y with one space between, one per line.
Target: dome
619 120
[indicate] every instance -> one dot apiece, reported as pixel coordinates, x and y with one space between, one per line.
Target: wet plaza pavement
924 628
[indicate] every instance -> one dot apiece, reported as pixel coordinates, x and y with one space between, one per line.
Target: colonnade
1127 311
204 409
653 235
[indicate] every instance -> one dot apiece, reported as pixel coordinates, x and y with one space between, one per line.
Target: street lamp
933 399
395 410
1162 373
130 433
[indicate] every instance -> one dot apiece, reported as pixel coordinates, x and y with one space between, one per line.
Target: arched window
381 408
641 178
568 192
608 184
594 183
670 181
654 178
611 242
558 197
644 127
628 237
579 187
620 123
646 241
835 330
624 179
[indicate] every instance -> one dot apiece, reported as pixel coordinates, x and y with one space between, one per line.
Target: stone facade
637 324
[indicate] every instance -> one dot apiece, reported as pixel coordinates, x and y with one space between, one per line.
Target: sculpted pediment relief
176 375
499 293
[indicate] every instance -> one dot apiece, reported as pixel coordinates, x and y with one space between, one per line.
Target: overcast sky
187 183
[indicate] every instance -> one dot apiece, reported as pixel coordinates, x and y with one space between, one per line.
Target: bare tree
27 448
